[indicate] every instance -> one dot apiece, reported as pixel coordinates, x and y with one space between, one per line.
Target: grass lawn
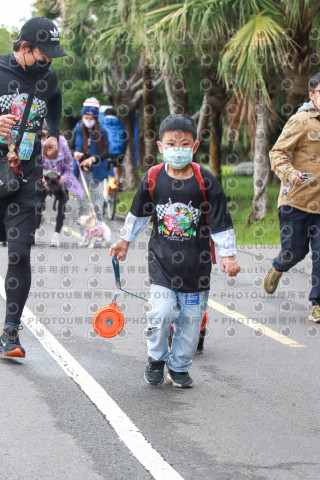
239 192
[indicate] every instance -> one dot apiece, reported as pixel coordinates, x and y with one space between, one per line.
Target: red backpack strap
197 173
153 173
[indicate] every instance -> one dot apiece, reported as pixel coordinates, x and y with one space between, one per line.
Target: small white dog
93 231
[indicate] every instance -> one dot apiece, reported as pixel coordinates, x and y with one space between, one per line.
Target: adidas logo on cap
55 35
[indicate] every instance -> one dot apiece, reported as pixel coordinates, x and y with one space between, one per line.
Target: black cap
43 33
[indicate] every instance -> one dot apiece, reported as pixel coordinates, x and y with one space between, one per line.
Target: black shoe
180 379
154 372
10 344
202 335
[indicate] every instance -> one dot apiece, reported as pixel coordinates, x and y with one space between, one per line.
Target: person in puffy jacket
117 136
90 148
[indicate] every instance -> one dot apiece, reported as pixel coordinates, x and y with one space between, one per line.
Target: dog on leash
53 186
93 231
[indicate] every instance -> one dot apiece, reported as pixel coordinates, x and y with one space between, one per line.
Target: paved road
252 413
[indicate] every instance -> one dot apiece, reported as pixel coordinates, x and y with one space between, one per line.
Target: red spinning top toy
108 321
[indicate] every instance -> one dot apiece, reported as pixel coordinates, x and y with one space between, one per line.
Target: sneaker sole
178 385
15 353
150 383
266 282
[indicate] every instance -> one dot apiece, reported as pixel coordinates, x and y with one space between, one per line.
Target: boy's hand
119 249
230 266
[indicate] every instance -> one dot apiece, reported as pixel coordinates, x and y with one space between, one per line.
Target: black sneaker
180 379
10 344
154 372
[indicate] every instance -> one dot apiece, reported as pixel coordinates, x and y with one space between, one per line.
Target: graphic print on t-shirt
177 221
16 103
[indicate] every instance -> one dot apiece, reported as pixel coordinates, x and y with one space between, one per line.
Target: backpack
117 134
153 173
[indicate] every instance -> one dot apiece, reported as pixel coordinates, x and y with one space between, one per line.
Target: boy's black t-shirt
179 247
15 87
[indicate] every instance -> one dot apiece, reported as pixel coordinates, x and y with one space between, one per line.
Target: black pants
299 231
19 218
18 281
62 200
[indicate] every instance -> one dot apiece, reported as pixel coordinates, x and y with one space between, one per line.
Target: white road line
262 329
124 427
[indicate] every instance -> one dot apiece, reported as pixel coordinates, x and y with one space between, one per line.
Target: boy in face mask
179 248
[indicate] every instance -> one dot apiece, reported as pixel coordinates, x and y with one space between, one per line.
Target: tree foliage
221 61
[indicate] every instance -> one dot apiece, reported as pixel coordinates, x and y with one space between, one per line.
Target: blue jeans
298 231
186 311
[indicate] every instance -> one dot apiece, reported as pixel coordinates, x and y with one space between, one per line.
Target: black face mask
38 68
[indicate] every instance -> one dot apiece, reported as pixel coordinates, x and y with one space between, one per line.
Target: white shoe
55 240
36 237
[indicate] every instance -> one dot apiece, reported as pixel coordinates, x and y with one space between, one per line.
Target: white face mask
88 123
177 157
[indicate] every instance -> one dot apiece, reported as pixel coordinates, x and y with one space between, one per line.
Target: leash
86 190
116 270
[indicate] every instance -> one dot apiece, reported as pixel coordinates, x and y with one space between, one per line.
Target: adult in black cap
26 72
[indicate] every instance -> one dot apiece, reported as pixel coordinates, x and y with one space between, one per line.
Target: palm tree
116 46
205 26
246 59
194 31
270 44
301 18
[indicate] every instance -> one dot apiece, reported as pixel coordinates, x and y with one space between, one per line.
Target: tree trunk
177 94
215 143
261 166
149 111
125 94
203 118
300 63
216 100
297 92
130 173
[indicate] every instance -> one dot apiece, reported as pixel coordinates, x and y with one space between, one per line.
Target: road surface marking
255 325
145 453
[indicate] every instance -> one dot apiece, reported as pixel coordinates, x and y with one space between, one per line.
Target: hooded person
295 160
118 138
28 88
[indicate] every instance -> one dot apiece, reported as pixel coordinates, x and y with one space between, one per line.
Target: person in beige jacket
295 158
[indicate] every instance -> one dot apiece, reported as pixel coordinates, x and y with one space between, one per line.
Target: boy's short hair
313 82
178 122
